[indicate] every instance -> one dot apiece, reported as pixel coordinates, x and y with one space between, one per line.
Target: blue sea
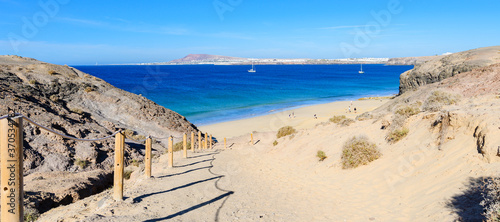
207 94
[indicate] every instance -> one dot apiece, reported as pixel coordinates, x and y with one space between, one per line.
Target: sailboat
252 70
361 71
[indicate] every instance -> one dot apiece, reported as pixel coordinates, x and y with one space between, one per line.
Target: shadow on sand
468 204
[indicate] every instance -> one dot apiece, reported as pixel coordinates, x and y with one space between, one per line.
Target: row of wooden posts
11 164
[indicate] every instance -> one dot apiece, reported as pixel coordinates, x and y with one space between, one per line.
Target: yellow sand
304 118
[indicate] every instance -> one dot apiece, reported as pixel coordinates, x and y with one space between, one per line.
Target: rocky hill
443 67
58 170
201 58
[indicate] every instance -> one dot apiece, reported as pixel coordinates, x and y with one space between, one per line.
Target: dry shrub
337 119
32 82
81 163
285 131
133 135
491 199
89 89
346 122
52 72
358 151
275 143
408 111
127 174
178 146
438 99
321 155
135 163
76 110
396 135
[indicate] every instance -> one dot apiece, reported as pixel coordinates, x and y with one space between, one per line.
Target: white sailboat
252 70
361 71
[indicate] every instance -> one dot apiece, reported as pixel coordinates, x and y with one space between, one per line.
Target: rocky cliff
80 105
443 67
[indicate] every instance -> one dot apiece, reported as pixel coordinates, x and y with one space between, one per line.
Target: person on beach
315 117
354 109
349 108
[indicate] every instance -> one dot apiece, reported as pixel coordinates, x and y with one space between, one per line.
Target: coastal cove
208 94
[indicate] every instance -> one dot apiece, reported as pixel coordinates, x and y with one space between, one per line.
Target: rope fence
11 160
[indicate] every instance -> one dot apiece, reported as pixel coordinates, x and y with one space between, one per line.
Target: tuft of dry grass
358 151
346 122
89 89
127 174
133 135
408 111
438 99
396 135
337 119
76 110
81 163
285 131
321 155
178 146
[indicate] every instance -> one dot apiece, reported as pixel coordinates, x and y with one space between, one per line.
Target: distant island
206 59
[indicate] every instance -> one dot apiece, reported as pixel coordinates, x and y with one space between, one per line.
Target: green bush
32 82
396 135
337 119
321 155
275 143
135 163
285 131
358 151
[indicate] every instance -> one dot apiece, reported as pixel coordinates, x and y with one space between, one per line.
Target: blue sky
109 32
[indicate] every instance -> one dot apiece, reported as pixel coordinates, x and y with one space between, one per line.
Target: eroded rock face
83 106
444 67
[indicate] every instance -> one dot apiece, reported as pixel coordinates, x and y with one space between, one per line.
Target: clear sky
108 32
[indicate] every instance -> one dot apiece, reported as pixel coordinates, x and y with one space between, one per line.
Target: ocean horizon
208 94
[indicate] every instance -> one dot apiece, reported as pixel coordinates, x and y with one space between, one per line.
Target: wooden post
170 152
251 138
118 177
206 140
225 147
192 141
11 154
149 143
184 145
210 141
199 140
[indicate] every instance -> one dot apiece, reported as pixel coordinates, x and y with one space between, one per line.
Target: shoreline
304 117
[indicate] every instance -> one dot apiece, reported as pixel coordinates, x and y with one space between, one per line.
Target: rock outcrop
80 105
407 61
444 67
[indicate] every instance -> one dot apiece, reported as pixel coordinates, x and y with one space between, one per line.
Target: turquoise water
207 94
